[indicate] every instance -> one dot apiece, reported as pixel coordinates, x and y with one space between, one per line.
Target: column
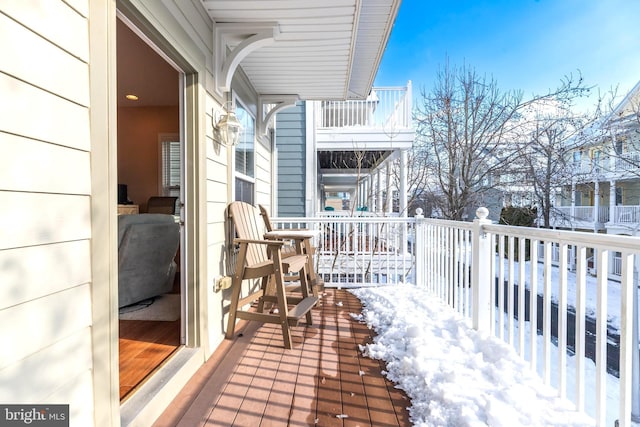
403 183
379 206
573 203
596 205
389 198
612 201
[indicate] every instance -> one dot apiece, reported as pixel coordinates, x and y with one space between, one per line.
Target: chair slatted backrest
249 224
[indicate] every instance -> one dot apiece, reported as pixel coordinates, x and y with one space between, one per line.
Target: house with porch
345 156
604 195
106 104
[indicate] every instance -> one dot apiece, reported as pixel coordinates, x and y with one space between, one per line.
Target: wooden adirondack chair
306 246
259 258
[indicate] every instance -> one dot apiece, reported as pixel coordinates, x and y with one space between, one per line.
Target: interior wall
138 150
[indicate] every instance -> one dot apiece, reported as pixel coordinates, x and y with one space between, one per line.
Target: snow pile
454 375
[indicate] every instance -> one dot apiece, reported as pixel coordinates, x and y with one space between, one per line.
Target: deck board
323 380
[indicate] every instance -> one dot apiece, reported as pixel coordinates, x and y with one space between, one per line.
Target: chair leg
304 286
264 285
283 310
233 308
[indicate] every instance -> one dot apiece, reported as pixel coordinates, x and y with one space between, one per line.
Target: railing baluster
562 321
581 282
501 286
510 308
546 312
521 293
533 303
628 328
601 338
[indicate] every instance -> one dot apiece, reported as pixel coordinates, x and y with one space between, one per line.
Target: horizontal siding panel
79 391
216 191
33 272
52 168
216 213
286 165
291 148
288 194
38 219
34 113
216 172
45 65
286 127
32 378
56 21
81 6
40 323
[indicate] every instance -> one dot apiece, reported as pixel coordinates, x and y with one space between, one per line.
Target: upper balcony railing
565 216
547 293
386 108
609 165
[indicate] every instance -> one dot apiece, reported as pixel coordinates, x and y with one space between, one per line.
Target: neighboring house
604 196
345 156
69 137
605 193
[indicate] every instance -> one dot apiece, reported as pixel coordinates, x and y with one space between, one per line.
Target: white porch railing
387 108
568 214
359 250
626 214
627 161
558 320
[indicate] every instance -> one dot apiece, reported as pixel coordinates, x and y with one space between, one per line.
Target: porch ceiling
340 170
327 49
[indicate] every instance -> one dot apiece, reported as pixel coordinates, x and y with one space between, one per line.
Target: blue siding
291 141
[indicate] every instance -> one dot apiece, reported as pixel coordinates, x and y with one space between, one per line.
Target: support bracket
268 106
234 42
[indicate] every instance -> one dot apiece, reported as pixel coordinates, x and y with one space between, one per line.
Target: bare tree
553 131
468 134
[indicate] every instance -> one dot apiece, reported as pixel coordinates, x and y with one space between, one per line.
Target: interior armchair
147 246
162 204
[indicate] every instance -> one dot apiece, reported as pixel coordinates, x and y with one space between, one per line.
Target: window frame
241 175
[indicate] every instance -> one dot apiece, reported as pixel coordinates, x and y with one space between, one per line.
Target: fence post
419 246
480 272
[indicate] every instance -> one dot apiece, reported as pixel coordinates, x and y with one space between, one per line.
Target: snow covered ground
613 290
454 375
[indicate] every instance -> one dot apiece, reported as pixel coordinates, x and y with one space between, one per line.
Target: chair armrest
260 242
291 234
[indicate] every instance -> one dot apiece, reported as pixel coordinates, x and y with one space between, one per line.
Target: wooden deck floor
324 380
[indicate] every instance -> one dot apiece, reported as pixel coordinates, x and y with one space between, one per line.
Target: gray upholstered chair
161 204
147 246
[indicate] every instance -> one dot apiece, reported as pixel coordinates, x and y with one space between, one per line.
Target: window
245 157
170 167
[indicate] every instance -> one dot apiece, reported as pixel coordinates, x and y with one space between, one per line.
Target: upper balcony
617 167
546 293
383 121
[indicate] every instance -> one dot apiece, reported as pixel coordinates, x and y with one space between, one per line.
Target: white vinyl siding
45 190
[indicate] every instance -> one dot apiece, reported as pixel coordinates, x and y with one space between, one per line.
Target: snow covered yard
454 375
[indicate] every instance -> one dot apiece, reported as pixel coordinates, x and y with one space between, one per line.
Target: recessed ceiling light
131 97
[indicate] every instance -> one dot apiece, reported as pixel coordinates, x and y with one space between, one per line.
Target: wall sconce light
227 127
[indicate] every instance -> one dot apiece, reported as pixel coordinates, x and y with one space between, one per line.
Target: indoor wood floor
323 381
144 345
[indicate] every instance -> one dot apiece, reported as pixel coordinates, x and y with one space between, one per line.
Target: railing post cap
482 212
419 212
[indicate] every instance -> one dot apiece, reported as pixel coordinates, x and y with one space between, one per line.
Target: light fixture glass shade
229 128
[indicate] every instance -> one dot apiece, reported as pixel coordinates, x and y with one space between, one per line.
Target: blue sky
527 45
